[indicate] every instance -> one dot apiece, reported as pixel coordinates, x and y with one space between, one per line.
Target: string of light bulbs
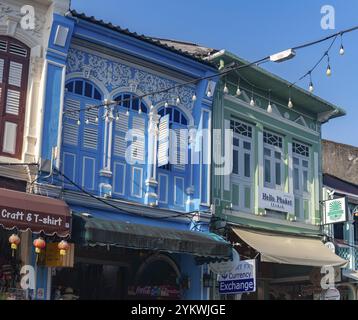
107 104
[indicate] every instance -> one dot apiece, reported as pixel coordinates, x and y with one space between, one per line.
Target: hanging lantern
39 244
14 240
63 246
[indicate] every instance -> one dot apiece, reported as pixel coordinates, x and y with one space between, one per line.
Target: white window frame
239 178
273 161
301 194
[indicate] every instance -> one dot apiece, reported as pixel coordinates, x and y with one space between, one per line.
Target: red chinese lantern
14 240
63 246
39 244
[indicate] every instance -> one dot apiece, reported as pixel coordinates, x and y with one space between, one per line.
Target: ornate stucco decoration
114 75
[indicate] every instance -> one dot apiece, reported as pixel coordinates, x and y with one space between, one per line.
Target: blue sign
240 280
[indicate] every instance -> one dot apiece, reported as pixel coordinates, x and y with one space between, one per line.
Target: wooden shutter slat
13 102
15 74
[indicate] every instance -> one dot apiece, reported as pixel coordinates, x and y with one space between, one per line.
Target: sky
254 29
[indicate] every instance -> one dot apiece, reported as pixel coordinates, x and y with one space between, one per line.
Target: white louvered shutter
163 141
138 145
90 131
70 127
180 148
121 128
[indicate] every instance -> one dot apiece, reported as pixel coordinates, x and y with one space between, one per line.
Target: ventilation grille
3 45
18 50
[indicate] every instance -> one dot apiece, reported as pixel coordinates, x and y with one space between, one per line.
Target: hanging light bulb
252 101
96 119
117 116
341 50
226 89
140 110
78 122
178 101
87 121
290 104
151 107
329 70
311 88
269 107
166 105
194 97
127 113
238 91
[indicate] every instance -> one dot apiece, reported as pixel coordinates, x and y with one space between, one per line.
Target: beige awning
287 249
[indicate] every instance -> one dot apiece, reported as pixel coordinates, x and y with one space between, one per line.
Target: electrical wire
179 85
220 74
180 215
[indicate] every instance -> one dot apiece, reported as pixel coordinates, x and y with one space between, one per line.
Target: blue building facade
130 158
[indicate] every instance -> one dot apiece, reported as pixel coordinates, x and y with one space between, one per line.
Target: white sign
276 200
335 210
226 266
240 280
331 294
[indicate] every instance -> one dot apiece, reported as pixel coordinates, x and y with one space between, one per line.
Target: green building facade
275 184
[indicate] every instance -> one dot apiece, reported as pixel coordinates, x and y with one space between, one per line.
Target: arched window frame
174 176
126 117
12 107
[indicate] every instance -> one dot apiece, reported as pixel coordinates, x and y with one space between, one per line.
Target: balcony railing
350 254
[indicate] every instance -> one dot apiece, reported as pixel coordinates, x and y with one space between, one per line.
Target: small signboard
242 279
225 266
335 210
276 200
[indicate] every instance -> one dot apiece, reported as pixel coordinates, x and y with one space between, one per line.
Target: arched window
14 68
83 88
175 115
131 102
81 135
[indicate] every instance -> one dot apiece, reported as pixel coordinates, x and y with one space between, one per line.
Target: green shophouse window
301 180
273 161
242 175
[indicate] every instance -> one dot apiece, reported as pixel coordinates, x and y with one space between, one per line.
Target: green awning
115 232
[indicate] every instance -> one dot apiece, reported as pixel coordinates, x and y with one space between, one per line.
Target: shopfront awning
24 211
293 250
114 231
